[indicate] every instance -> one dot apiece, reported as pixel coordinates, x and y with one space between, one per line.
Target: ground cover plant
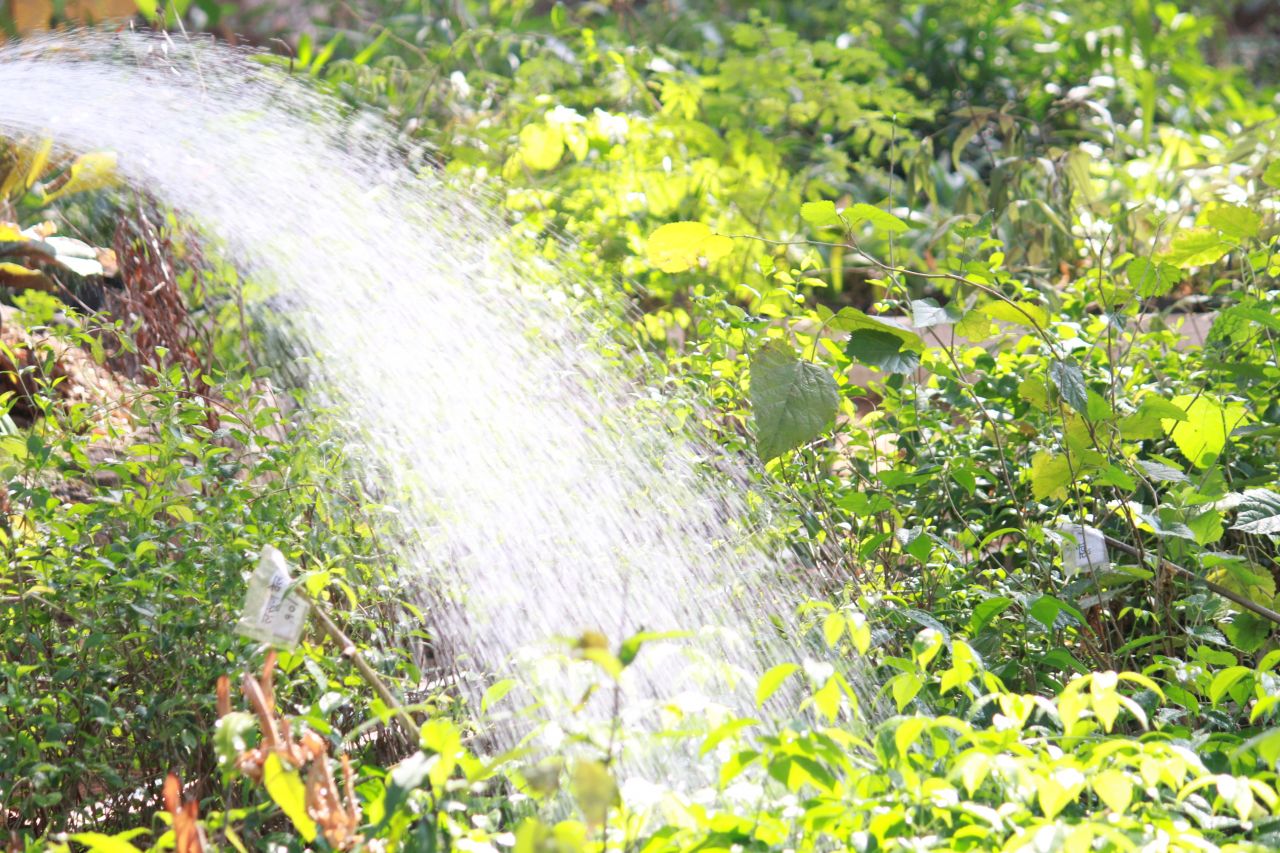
976 288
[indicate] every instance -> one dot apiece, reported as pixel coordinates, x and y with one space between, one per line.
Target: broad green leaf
772 680
820 213
792 401
97 842
926 313
986 611
495 693
1114 788
1258 512
231 737
1035 392
1235 222
827 699
677 246
1150 279
881 350
1271 176
1018 313
541 146
1248 632
1196 248
904 687
1203 435
1050 476
287 791
1148 420
1161 472
1224 680
881 220
976 326
1069 379
852 320
594 790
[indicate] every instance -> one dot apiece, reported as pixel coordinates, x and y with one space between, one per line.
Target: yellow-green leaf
286 789
1114 788
772 680
881 220
1050 476
1196 248
1203 435
677 246
100 843
1018 313
541 146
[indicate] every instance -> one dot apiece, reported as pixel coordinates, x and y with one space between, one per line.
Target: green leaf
1050 476
1224 680
287 791
1196 248
1258 512
986 611
926 313
231 737
881 350
1018 313
1247 631
1235 222
853 320
594 790
793 401
1203 435
1161 472
495 693
881 220
1271 176
772 680
541 146
1150 279
1069 379
97 842
677 246
975 326
820 213
1114 788
405 778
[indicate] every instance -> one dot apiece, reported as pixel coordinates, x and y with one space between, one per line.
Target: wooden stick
1230 595
407 723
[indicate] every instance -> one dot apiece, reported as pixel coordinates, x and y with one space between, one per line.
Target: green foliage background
925 264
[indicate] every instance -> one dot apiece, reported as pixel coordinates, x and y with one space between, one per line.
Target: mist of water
547 491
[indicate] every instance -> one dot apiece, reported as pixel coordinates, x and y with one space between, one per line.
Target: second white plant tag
270 615
1085 549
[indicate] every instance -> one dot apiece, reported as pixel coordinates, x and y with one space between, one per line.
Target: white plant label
1084 549
270 615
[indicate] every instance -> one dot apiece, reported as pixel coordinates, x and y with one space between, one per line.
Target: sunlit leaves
793 401
1203 435
880 220
820 213
1069 380
1018 313
287 790
1196 247
882 350
541 146
772 680
92 171
1152 278
1050 476
1258 512
677 246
